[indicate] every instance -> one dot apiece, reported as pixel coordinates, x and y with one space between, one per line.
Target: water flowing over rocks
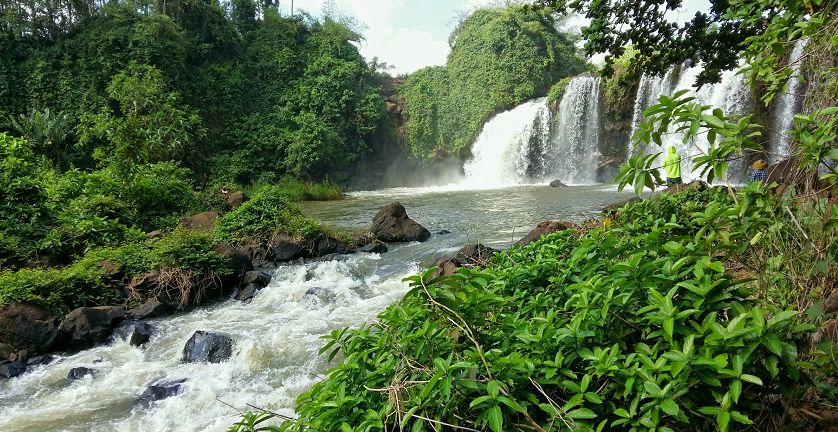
391 224
374 247
27 328
11 369
88 326
160 390
544 228
207 347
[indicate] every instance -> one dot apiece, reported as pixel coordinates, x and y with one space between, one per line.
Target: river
278 334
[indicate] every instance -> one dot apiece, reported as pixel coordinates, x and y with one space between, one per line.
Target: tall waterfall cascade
731 94
529 144
533 144
786 105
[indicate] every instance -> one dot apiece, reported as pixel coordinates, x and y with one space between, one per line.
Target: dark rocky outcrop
248 292
88 326
283 247
207 347
391 224
258 277
40 360
160 390
78 373
329 245
544 228
140 333
375 247
202 221
239 261
11 369
557 183
25 327
153 307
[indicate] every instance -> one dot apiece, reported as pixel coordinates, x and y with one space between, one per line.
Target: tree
148 123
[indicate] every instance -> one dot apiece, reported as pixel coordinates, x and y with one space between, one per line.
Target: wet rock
239 261
544 228
257 277
88 326
11 369
375 247
329 245
248 292
153 307
612 208
202 221
283 247
443 232
26 327
140 334
391 224
207 347
41 360
235 199
160 390
557 183
78 373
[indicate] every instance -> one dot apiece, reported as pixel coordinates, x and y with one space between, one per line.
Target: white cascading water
731 94
520 146
785 106
573 150
500 153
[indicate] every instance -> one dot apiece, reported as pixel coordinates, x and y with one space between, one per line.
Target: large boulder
470 255
207 347
25 327
11 369
248 292
88 326
153 307
544 228
391 224
557 183
161 390
283 247
327 245
202 221
239 261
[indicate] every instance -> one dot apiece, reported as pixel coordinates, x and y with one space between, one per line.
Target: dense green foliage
499 58
238 94
98 277
637 325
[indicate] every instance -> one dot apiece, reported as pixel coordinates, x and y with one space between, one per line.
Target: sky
412 34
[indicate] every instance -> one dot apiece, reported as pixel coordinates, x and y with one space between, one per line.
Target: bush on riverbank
642 324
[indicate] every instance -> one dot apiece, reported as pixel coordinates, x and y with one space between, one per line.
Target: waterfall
502 152
527 144
785 105
731 94
573 151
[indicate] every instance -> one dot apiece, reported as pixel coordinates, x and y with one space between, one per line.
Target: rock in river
391 224
206 347
88 326
161 390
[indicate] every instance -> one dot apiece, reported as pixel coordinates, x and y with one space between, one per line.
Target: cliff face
618 93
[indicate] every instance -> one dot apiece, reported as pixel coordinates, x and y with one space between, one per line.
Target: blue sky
411 34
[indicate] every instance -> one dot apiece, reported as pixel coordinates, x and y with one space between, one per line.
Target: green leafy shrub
268 212
620 328
557 91
296 190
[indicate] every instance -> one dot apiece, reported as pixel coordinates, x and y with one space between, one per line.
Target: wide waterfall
529 144
785 105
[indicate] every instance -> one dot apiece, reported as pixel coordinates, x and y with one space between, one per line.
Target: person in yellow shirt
672 166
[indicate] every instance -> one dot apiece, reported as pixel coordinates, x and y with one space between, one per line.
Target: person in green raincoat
672 166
